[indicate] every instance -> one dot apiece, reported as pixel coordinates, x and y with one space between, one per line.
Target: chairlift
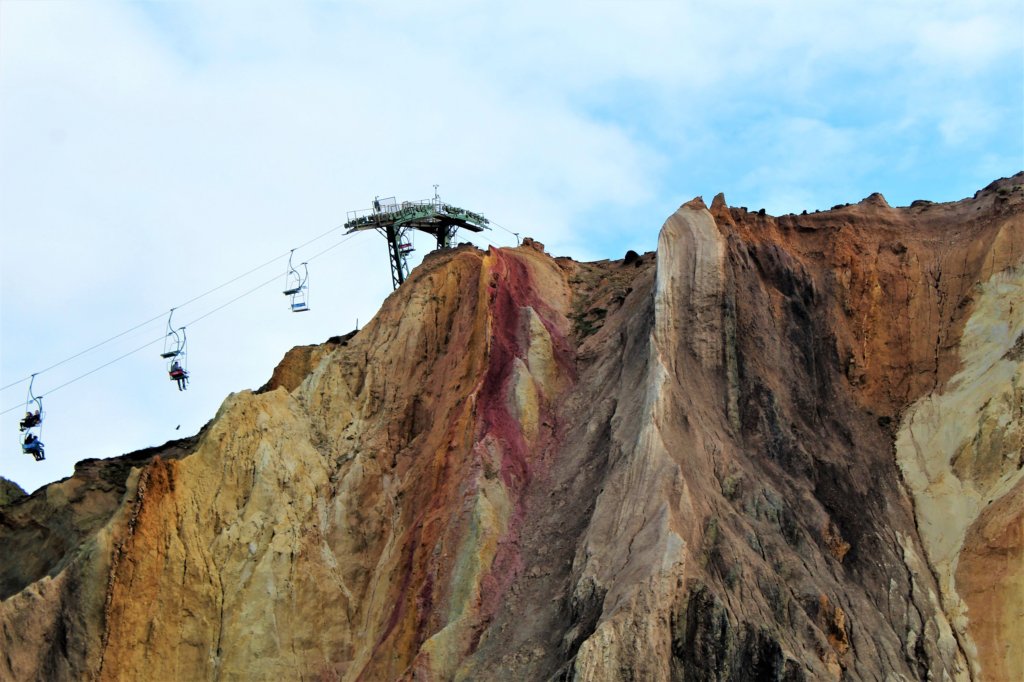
296 286
33 445
174 343
177 369
176 353
405 247
32 424
180 356
33 409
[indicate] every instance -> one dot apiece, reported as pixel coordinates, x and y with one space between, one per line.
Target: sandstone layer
780 448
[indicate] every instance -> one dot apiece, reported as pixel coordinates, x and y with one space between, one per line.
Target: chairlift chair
180 356
174 343
296 286
31 426
32 419
34 448
175 351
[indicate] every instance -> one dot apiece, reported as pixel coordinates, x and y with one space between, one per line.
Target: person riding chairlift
180 375
34 447
31 419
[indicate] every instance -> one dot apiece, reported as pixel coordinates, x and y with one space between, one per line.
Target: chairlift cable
267 282
148 344
485 238
82 376
142 324
232 281
515 234
192 322
180 305
329 248
93 347
336 227
236 298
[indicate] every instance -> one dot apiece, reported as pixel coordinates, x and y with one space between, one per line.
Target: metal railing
394 212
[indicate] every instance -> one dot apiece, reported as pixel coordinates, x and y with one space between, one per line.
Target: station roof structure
432 216
394 220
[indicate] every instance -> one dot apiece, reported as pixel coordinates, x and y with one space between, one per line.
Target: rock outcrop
779 448
9 491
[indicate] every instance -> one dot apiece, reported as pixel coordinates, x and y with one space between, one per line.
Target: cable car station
394 221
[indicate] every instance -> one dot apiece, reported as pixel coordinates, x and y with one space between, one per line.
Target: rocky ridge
779 448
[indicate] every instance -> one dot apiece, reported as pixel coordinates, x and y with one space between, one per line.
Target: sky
151 152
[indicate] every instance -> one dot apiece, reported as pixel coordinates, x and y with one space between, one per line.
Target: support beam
393 220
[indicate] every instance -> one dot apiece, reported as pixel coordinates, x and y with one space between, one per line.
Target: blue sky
152 151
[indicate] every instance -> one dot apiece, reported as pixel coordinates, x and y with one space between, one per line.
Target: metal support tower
395 221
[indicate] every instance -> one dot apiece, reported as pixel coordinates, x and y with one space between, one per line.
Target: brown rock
735 461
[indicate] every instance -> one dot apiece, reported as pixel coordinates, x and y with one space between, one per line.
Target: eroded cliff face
780 448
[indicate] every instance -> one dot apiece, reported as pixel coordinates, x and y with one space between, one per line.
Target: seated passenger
31 419
180 375
33 446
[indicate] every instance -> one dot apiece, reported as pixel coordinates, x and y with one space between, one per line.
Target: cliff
780 448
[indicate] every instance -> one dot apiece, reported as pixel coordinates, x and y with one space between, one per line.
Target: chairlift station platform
394 220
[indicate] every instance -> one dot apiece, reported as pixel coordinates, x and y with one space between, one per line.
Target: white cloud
969 44
791 155
964 120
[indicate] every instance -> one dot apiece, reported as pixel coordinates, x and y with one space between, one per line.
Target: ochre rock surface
780 448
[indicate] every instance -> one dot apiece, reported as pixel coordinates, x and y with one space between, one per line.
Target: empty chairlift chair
297 286
173 342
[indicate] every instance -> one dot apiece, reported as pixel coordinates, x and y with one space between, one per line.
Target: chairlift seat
178 374
35 448
299 307
292 292
169 354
